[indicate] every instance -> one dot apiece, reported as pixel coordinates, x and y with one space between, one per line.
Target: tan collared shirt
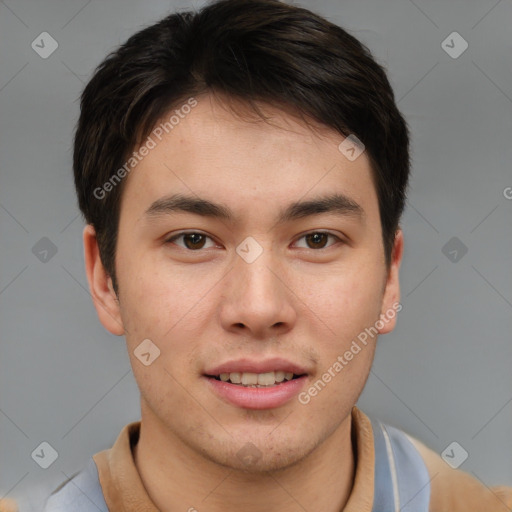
394 473
451 490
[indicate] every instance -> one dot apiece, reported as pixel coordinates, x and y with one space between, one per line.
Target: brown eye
318 240
192 241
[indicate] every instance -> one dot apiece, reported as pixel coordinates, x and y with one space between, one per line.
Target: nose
257 299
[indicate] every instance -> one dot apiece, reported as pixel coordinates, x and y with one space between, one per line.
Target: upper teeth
253 379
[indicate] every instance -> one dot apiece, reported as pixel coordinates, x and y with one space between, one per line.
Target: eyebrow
338 204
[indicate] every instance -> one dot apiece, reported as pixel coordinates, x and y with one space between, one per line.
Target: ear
103 294
391 299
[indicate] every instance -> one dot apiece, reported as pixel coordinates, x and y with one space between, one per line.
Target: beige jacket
114 476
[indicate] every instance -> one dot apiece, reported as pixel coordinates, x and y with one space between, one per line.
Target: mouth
256 380
256 385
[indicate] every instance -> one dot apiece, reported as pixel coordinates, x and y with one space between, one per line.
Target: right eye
192 240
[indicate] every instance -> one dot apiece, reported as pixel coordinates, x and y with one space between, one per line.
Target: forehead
215 151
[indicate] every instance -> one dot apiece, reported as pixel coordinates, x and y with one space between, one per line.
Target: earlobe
391 299
100 284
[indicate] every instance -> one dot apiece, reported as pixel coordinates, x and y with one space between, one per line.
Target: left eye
195 241
318 239
192 241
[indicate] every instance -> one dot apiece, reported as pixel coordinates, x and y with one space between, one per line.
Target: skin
207 306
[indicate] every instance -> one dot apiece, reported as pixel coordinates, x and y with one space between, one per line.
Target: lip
252 366
256 398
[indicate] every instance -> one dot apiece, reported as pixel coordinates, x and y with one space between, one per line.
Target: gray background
443 375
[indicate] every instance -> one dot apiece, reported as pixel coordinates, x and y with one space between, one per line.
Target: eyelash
179 235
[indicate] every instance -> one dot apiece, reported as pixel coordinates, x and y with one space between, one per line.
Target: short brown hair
252 50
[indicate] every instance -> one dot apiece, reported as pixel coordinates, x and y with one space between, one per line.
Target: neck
178 478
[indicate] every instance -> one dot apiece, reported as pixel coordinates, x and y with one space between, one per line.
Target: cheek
345 302
153 298
161 304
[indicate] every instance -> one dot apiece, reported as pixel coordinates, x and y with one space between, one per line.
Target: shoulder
454 490
81 493
409 476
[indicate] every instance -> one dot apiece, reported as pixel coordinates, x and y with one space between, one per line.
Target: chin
261 456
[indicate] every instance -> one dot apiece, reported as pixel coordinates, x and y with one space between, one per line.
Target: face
266 282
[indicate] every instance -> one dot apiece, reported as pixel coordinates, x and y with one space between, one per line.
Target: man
242 172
